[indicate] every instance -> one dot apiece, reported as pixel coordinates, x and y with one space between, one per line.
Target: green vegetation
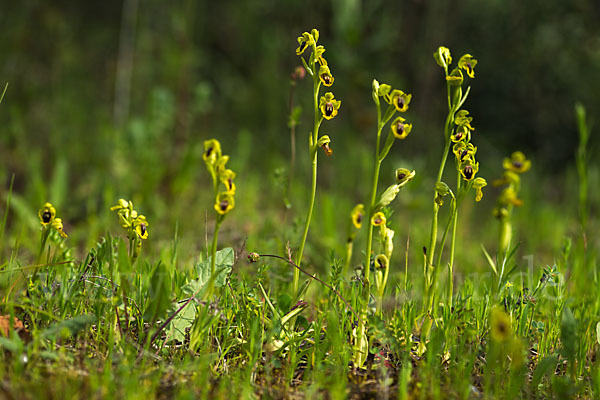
501 300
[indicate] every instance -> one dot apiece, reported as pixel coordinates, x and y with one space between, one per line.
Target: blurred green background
115 98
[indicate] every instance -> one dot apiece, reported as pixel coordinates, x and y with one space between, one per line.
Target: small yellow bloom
461 118
304 42
469 168
328 150
212 151
121 204
125 212
378 219
500 326
478 184
381 261
468 63
442 57
400 129
319 50
517 163
323 143
141 227
325 75
358 213
224 202
47 214
403 176
463 150
58 225
400 100
509 196
461 133
329 105
227 177
220 164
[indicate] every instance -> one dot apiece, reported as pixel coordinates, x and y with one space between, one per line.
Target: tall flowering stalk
325 107
457 135
223 189
397 101
135 224
514 166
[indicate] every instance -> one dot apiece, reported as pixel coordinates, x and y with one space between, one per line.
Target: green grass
103 324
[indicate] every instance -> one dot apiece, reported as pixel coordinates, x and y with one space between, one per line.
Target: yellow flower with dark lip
400 100
329 105
517 163
469 168
381 261
325 75
358 213
227 177
378 219
478 184
461 134
323 143
403 176
463 150
224 203
468 63
455 78
47 214
400 129
212 151
304 41
58 225
141 226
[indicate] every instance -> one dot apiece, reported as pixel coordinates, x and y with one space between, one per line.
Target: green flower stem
362 346
453 242
313 154
381 291
431 275
213 250
43 241
349 250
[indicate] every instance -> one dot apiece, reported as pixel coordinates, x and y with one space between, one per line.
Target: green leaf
178 325
544 367
443 189
598 332
306 67
124 267
388 196
568 334
284 301
387 146
489 260
223 264
69 327
159 294
3 92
